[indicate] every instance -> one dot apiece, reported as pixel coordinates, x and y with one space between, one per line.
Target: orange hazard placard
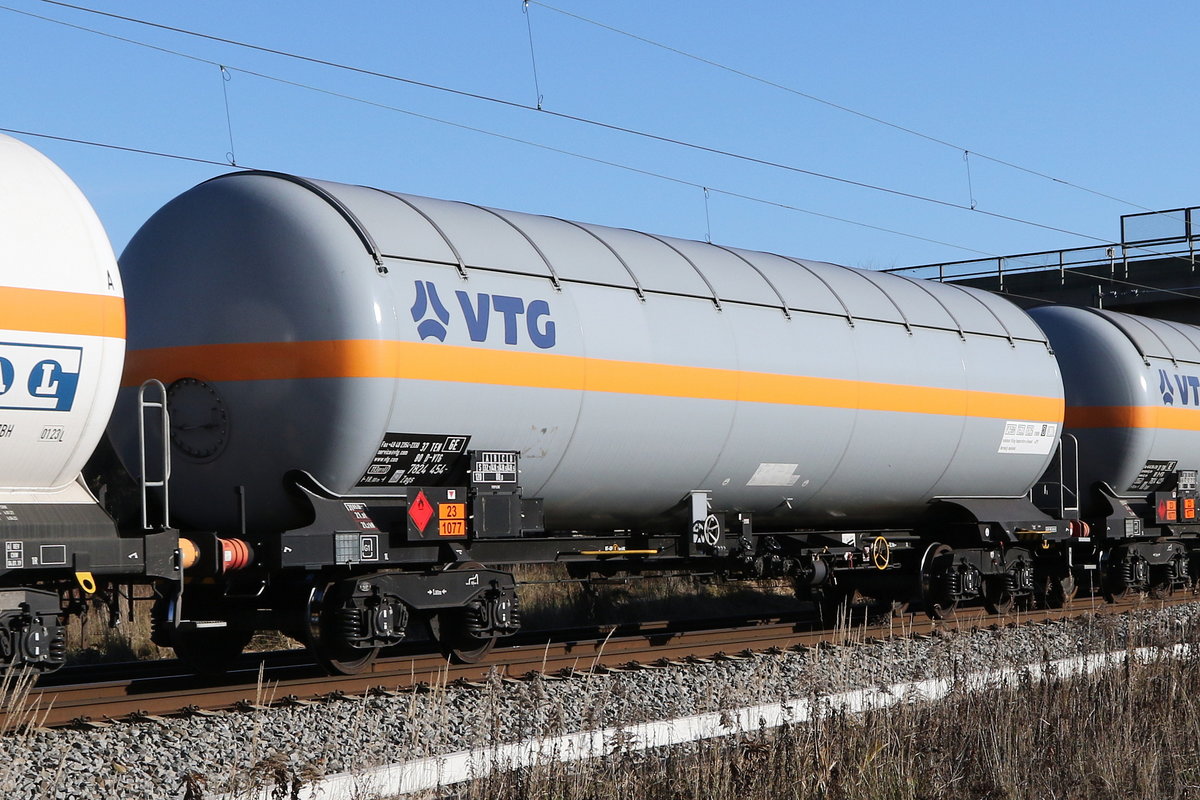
452 519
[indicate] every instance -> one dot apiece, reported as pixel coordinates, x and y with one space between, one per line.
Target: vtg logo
1187 387
38 377
432 316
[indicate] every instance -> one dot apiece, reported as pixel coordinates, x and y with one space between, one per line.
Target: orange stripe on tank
74 313
1168 417
477 365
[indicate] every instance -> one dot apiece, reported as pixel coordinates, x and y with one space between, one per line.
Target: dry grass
550 599
1123 734
24 715
92 639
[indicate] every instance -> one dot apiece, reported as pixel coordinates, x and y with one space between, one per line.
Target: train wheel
1161 584
998 599
943 610
326 641
1123 593
1127 582
1058 591
344 661
938 603
885 609
1015 588
1116 591
1127 576
449 630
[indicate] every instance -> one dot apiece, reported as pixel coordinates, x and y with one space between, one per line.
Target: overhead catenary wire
475 129
124 149
615 164
829 103
513 104
557 114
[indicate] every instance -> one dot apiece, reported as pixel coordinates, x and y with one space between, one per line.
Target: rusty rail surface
163 688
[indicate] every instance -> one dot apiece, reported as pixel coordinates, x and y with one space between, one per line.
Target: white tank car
1133 395
62 331
368 337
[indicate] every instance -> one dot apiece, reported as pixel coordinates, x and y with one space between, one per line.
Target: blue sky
1098 95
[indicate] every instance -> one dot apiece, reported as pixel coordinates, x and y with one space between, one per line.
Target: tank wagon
377 394
62 346
1132 444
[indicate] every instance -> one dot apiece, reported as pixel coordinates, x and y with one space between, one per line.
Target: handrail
145 404
1180 242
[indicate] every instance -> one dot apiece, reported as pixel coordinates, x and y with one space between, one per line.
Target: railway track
155 689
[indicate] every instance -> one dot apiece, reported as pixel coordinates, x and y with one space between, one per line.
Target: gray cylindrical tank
337 329
1132 392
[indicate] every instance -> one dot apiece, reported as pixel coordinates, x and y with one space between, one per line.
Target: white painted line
431 773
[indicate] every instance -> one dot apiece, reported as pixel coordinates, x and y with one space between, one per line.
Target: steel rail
283 679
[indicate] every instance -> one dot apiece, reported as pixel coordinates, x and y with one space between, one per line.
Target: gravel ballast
152 759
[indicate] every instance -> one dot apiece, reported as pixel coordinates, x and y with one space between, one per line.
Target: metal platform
1152 271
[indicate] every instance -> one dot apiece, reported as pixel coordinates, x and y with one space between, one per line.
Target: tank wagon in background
62 346
346 411
1129 460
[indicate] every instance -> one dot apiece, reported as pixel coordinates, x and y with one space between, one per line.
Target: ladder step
197 624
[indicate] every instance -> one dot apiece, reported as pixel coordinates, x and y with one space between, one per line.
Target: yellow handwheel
881 553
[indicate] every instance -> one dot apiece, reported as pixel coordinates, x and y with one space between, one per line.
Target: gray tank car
1133 394
1133 414
338 330
371 393
376 398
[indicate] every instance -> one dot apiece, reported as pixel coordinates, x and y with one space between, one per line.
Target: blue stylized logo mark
427 299
515 314
48 379
1164 386
39 377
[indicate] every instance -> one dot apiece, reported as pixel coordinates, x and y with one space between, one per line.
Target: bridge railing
1153 235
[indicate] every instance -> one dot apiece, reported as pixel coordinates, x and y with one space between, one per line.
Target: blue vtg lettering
481 314
1184 389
